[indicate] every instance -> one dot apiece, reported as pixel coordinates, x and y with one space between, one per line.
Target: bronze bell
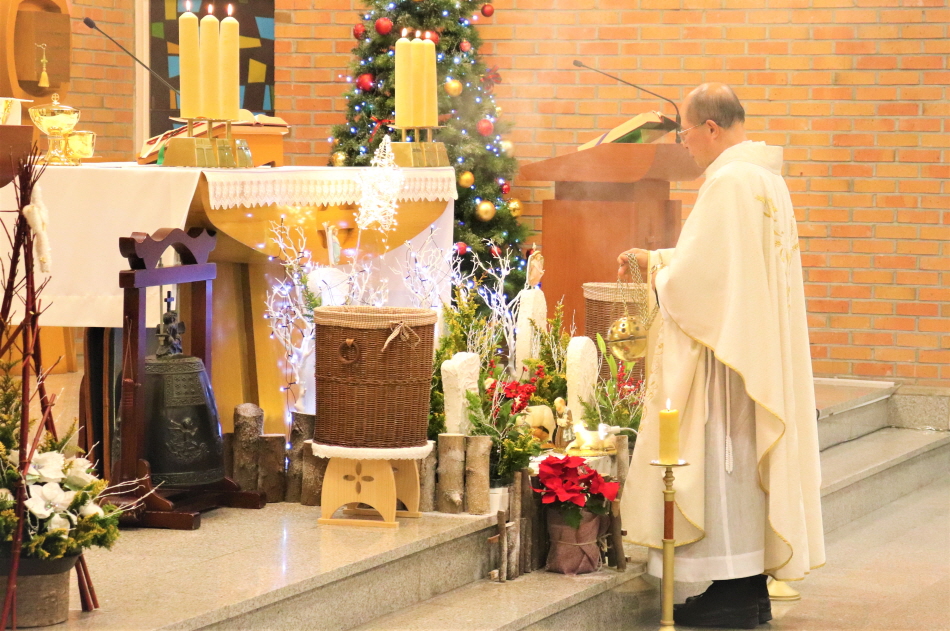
183 444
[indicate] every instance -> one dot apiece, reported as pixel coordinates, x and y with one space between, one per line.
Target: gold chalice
56 121
80 145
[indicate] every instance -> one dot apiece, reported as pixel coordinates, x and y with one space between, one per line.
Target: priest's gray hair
715 102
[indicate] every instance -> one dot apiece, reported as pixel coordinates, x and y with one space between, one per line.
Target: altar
92 206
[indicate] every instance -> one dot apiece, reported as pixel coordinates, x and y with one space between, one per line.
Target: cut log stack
477 455
271 463
427 468
300 431
248 428
451 487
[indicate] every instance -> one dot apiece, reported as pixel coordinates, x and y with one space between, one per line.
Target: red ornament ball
488 10
365 82
359 31
432 35
495 251
505 188
465 45
461 247
384 26
485 127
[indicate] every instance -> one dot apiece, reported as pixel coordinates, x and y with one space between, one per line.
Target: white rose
6 495
58 522
47 467
79 480
47 499
91 509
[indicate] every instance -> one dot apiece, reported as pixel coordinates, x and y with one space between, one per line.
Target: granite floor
888 571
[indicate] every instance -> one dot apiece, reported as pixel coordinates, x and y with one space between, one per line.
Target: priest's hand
643 259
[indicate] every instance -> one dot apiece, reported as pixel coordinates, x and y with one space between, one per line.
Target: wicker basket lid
609 292
373 317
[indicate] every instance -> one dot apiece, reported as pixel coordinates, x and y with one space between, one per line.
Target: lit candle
430 103
188 63
669 435
208 54
404 116
230 66
417 80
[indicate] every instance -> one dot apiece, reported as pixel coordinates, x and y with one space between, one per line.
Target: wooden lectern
607 199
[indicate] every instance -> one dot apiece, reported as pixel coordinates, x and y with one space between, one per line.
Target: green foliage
468 150
617 400
552 359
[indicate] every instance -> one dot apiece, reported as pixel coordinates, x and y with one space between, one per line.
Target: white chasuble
732 310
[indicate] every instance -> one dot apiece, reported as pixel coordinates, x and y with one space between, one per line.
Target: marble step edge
847 463
852 424
865 393
516 602
468 524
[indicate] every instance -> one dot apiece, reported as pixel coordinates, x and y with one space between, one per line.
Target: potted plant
617 402
578 507
64 513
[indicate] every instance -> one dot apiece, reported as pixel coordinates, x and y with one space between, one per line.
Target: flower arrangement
617 400
569 486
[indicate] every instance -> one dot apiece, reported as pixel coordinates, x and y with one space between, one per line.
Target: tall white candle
430 102
188 63
404 105
208 54
417 80
229 55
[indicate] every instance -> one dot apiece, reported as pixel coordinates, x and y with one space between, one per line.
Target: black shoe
726 604
760 583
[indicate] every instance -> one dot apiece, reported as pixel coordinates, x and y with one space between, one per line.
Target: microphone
679 125
91 24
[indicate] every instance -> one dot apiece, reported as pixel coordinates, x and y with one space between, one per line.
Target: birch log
527 521
514 528
451 486
427 482
541 543
248 427
623 460
271 463
616 536
227 444
314 469
502 548
477 453
300 432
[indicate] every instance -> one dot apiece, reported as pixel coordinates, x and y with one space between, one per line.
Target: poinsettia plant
569 485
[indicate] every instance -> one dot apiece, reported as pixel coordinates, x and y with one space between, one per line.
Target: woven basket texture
373 376
604 305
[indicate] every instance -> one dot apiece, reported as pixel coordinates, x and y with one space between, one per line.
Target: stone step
865 474
540 601
850 408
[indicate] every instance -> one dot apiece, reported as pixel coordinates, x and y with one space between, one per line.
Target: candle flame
418 33
188 5
669 404
230 10
210 9
428 35
404 31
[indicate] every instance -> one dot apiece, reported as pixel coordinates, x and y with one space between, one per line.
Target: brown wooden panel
617 163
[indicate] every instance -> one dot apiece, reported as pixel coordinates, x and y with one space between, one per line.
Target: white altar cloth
92 206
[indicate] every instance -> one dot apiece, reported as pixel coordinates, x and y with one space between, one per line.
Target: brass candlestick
669 542
207 152
416 152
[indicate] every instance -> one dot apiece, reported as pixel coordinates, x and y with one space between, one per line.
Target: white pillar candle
189 81
208 47
404 105
430 101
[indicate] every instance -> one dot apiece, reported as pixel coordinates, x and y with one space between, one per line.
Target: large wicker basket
604 305
373 376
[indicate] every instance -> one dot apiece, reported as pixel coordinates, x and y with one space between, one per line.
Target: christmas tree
468 115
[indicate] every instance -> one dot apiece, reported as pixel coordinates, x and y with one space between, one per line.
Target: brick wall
855 90
103 80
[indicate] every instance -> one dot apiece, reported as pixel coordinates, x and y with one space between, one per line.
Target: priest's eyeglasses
682 132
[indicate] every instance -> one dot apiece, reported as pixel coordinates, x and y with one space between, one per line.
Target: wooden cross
168 301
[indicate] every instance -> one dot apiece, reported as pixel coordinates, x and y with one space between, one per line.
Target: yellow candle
229 55
669 435
430 103
404 117
208 54
417 80
188 63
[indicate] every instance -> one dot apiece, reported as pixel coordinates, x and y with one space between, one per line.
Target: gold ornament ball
627 339
338 159
508 147
485 211
498 111
453 87
514 205
466 179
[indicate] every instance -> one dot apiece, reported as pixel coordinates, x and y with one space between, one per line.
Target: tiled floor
888 571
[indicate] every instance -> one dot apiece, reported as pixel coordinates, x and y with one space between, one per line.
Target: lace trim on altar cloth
369 453
317 186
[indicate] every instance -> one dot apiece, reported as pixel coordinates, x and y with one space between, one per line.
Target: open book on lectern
646 127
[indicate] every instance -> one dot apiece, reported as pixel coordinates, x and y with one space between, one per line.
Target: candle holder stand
417 152
207 152
669 541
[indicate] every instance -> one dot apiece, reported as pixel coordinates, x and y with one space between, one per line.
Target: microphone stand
91 24
679 125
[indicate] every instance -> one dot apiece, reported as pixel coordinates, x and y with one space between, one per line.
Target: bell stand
418 152
175 508
207 152
669 542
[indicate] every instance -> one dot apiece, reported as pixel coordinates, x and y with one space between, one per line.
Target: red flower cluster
569 480
628 385
519 392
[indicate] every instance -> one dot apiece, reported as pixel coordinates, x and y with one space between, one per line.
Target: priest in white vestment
732 354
